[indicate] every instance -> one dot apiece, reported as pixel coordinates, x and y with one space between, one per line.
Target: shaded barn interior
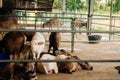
41 5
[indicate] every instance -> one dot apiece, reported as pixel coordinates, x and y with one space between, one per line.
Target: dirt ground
87 51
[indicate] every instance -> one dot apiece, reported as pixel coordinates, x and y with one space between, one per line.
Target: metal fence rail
16 61
62 31
96 41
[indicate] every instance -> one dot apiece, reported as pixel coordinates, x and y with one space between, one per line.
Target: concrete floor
86 51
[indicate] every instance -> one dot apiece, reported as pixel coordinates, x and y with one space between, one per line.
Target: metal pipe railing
62 31
107 60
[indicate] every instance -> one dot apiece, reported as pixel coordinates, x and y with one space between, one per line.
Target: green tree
108 3
58 4
71 6
116 6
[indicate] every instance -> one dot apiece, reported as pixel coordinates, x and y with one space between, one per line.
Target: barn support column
72 36
35 14
90 14
111 9
63 5
63 9
0 3
25 13
73 28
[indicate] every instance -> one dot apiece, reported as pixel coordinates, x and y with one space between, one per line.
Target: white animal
63 57
49 67
37 45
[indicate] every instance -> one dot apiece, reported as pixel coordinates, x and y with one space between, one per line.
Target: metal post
35 14
72 37
111 8
90 14
63 9
25 15
114 26
72 28
74 8
63 6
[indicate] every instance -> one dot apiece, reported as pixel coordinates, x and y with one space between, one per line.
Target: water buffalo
54 22
54 41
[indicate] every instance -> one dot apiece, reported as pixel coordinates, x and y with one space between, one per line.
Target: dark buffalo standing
29 35
54 41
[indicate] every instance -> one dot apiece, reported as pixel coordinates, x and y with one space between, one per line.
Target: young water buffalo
78 23
54 41
54 22
8 20
10 24
37 42
69 67
25 70
12 43
49 67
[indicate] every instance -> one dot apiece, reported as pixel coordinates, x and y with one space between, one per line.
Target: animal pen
102 54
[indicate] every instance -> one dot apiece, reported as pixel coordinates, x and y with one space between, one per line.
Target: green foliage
109 3
83 6
101 7
71 7
58 4
116 6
